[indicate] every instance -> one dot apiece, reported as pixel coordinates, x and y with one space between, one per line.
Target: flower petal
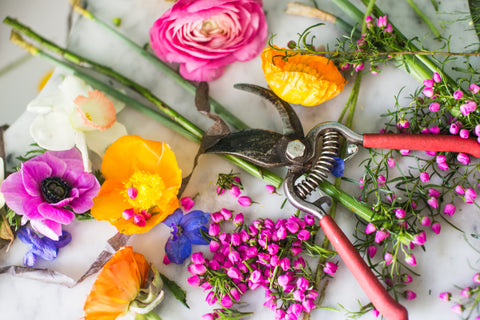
14 192
93 112
99 141
71 87
174 218
179 250
48 228
29 259
53 131
59 215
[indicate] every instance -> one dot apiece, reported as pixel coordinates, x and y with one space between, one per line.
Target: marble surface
449 260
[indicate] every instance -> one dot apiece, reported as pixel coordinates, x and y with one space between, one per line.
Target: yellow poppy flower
142 180
117 285
302 78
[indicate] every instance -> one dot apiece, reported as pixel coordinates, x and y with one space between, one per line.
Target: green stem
266 175
82 61
348 201
152 316
424 18
187 85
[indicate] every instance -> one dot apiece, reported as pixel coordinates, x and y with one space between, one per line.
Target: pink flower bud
220 190
139 220
433 193
302 283
235 191
427 92
298 295
227 214
441 159
244 201
434 106
410 259
399 213
209 316
425 221
420 239
381 179
270 188
428 83
197 269
476 277
197 258
466 292
433 202
132 193
213 229
375 313
309 219
406 278
234 274
445 296
464 133
457 95
194 281
459 189
470 195
285 264
454 128
436 227
238 219
436 77
381 235
458 308
226 301
388 258
330 268
187 203
371 251
308 305
474 88
214 246
370 228
303 235
424 176
449 209
434 130
477 130
128 213
404 152
409 294
292 226
391 162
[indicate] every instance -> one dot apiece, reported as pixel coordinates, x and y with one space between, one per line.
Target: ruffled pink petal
55 214
57 165
33 172
30 207
14 192
72 158
48 228
201 74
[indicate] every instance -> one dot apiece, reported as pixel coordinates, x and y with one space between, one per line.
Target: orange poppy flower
302 78
142 180
117 285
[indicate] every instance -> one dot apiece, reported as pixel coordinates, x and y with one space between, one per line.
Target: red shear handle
377 294
425 142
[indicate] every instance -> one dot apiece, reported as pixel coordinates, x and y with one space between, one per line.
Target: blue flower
185 231
338 167
41 247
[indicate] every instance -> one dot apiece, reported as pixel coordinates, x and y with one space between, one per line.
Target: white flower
76 115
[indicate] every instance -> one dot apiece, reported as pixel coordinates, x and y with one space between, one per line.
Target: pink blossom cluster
263 254
235 191
469 297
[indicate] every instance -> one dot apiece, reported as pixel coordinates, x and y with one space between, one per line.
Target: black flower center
54 189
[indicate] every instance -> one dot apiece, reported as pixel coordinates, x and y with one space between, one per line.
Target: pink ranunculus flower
204 35
49 189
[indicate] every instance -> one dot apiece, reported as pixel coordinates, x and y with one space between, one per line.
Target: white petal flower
76 115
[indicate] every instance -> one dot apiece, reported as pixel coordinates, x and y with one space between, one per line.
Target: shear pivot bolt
295 149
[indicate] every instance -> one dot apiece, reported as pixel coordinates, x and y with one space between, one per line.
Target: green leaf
474 6
176 290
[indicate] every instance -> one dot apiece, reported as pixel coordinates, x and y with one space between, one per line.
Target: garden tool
309 162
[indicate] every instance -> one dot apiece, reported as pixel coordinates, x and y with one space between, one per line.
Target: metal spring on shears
325 162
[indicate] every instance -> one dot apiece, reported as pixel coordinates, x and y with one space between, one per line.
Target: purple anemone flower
49 189
41 247
185 231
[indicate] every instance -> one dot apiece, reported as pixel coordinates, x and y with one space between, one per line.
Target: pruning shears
310 158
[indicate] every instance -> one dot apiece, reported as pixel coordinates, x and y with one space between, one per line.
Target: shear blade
261 147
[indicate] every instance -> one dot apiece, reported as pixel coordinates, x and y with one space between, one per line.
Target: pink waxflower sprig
466 304
264 254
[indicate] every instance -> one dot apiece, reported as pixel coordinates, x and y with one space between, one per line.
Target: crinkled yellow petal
302 79
126 156
117 284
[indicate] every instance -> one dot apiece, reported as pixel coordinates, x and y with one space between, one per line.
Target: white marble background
448 259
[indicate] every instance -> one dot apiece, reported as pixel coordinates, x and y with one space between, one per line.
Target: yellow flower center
149 187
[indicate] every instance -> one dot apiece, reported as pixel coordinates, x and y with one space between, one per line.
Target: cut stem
187 85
